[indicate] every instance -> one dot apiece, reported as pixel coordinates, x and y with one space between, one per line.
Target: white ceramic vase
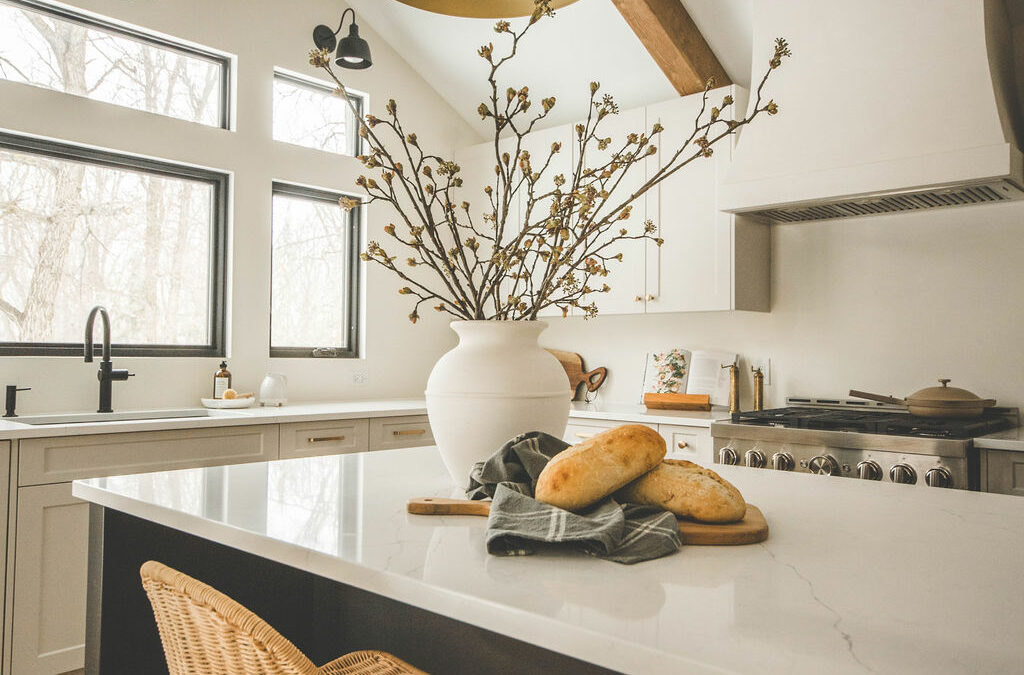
496 384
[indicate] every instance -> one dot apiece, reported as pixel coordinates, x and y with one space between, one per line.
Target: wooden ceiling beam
674 41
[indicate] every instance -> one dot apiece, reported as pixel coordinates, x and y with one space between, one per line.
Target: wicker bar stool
204 632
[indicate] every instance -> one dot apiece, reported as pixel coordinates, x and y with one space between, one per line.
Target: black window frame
220 182
355 277
142 35
351 121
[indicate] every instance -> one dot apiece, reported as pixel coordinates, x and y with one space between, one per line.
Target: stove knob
754 458
824 465
783 461
869 470
727 456
902 473
939 477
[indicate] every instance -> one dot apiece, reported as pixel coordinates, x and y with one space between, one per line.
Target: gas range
858 439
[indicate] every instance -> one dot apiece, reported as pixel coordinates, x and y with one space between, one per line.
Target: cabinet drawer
390 433
1005 472
331 437
581 429
58 460
689 443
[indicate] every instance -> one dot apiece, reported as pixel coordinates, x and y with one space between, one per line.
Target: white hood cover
885 105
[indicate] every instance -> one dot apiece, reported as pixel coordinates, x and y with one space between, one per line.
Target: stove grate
874 422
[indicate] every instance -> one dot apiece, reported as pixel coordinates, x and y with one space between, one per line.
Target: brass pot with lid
941 401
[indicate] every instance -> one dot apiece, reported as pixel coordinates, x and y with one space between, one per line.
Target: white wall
263 34
885 304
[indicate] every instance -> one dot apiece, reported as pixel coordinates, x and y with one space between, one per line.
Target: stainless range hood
885 107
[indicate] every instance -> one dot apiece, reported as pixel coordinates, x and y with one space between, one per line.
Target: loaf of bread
585 473
687 490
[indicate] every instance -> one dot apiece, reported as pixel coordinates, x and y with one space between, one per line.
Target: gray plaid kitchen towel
623 533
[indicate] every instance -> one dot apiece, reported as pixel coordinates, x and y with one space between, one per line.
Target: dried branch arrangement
493 263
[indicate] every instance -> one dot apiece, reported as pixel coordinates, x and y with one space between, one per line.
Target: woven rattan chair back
204 632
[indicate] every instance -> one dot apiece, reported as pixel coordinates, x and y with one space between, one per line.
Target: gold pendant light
482 9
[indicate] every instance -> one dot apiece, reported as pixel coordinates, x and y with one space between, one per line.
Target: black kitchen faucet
106 374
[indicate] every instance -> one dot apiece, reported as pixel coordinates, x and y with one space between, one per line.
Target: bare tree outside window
79 228
314 273
79 55
308 113
75 234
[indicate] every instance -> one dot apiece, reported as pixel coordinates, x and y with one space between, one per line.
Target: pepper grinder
734 387
758 388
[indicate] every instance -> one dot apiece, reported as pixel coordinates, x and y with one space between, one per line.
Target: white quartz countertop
329 410
856 576
634 412
1011 439
293 412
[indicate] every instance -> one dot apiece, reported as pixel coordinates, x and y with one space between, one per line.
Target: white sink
85 418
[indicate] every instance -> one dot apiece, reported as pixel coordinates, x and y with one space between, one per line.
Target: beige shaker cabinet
1002 471
44 624
407 431
329 437
50 569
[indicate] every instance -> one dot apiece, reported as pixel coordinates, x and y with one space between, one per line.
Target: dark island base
324 618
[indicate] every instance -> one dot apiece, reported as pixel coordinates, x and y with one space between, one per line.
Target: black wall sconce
353 52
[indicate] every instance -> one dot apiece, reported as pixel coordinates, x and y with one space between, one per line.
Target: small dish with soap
231 400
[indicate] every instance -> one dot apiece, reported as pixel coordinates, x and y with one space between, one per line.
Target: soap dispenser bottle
221 380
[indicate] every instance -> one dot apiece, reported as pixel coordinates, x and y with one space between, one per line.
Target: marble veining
856 576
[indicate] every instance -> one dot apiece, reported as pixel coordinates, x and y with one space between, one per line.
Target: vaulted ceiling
587 40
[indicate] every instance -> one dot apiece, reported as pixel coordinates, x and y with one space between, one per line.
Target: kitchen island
856 576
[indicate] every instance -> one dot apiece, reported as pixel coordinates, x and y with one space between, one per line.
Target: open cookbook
682 371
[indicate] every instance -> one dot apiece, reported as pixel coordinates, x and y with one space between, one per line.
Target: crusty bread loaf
687 490
587 472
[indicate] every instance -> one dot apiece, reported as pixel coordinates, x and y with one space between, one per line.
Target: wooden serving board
573 365
752 529
678 401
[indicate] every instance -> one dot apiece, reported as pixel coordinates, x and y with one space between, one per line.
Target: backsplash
884 303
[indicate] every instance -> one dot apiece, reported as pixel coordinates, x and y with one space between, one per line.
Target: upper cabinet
626 278
538 144
710 260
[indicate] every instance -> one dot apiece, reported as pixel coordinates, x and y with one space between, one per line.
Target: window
81 227
308 113
60 49
314 274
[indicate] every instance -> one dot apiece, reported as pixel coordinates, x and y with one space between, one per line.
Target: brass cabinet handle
409 432
651 298
681 445
638 298
580 434
324 439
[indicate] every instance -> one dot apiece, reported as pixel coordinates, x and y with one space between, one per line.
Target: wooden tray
751 530
677 401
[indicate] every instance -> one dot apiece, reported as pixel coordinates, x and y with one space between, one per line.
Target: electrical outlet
766 367
360 376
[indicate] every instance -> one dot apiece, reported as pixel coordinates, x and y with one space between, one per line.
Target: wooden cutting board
573 365
752 529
